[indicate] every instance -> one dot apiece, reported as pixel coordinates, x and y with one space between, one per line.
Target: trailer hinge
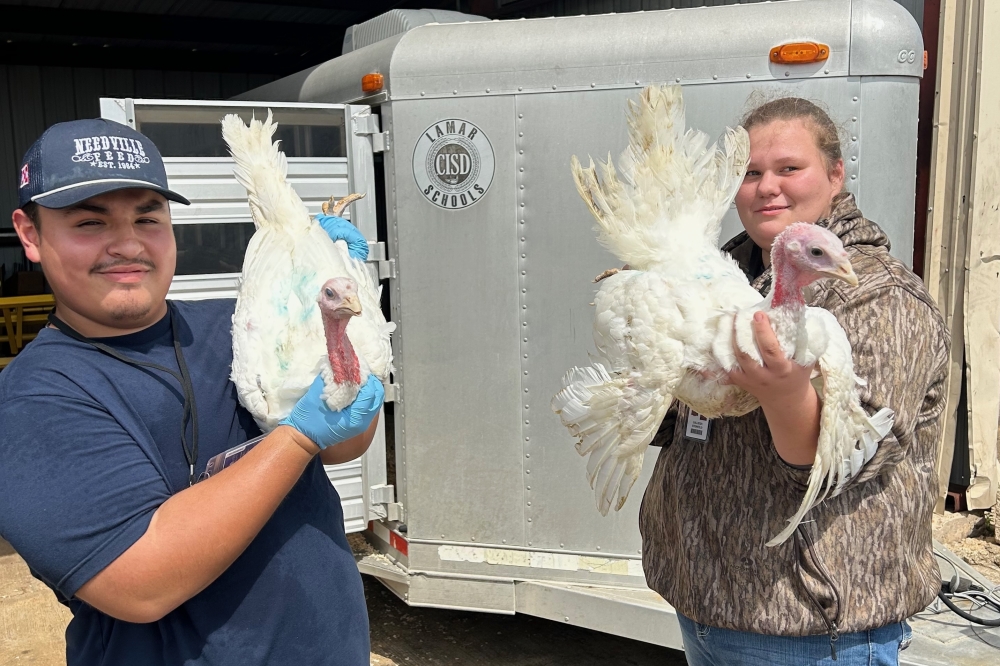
382 494
368 125
384 506
377 255
391 392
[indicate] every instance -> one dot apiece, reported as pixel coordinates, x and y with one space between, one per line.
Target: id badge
697 427
220 462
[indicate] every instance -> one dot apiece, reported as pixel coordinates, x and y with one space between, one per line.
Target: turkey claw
335 207
611 271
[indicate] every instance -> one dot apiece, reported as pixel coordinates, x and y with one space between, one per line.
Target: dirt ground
972 536
32 625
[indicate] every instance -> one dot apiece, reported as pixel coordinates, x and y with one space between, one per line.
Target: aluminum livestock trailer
462 137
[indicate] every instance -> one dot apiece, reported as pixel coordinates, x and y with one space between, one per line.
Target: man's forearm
195 535
794 426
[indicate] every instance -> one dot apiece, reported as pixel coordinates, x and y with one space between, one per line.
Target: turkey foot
335 207
611 271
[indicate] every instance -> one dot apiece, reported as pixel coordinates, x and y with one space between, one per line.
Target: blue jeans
710 646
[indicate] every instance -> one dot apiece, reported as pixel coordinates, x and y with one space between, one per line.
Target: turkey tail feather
613 420
262 169
673 188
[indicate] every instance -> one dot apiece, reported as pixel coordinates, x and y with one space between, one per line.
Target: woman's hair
823 129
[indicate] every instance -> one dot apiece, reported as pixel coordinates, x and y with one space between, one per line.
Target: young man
110 416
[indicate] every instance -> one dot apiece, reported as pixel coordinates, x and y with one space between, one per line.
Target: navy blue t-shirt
90 447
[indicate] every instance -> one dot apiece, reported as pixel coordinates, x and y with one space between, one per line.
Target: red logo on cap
24 176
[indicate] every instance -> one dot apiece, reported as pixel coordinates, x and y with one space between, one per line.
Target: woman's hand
780 379
786 395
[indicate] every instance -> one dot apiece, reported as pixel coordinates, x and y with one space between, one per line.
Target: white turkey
304 307
664 326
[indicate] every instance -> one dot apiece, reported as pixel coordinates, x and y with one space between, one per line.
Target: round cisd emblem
453 163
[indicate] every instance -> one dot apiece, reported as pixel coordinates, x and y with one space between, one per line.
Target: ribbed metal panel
398 21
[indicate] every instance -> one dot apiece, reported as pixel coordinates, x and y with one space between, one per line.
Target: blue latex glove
337 228
325 427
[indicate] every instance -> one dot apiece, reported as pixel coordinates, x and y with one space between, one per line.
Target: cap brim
70 196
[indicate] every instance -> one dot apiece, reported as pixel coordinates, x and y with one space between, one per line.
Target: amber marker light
800 53
371 83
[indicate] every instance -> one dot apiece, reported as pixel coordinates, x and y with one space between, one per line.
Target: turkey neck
343 360
788 281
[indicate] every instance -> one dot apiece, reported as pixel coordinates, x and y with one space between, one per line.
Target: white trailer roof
866 38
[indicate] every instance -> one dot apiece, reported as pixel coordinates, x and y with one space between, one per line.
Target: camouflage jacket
858 561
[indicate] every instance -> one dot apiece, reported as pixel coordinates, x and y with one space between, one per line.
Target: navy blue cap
80 159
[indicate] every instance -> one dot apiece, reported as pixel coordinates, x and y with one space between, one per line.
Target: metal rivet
526 390
529 503
854 159
715 77
442 536
855 99
524 272
527 455
520 88
593 85
854 138
422 93
677 80
562 546
788 73
520 152
520 115
503 540
520 133
527 471
521 169
826 71
525 356
522 187
522 204
524 323
529 488
473 538
566 618
522 221
854 177
454 92
748 76
527 439
598 548
524 291
637 82
854 119
523 256
553 87
487 90
524 307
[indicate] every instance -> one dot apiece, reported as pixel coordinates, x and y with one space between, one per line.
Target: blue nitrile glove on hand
337 228
327 428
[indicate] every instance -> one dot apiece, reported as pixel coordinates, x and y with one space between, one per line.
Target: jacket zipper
832 628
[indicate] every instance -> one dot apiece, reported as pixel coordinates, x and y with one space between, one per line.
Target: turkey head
338 303
802 254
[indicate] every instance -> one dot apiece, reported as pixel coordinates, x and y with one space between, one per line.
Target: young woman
860 563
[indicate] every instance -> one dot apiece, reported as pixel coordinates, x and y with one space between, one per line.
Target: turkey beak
843 271
350 306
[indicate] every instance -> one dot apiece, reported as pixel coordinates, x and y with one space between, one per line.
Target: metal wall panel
458 318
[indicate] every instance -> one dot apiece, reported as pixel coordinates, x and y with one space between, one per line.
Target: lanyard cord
183 378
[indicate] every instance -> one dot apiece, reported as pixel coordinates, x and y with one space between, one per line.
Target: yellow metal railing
15 311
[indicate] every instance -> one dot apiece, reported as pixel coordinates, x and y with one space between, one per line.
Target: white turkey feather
279 344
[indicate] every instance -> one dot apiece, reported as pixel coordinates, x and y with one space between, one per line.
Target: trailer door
329 151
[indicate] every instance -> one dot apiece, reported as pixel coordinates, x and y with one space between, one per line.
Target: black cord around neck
190 413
